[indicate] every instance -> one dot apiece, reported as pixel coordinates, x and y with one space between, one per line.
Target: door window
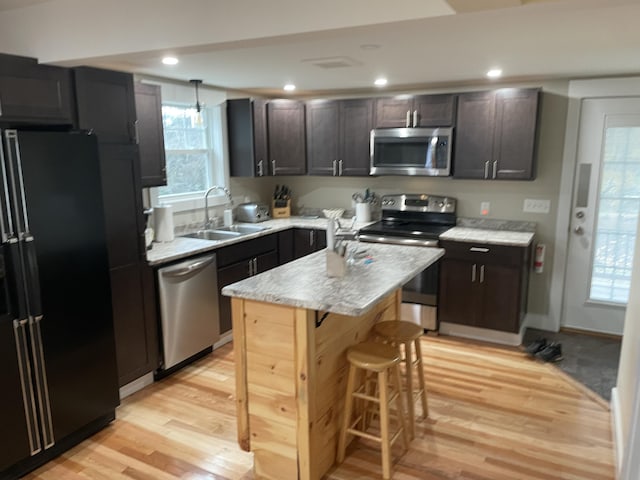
617 217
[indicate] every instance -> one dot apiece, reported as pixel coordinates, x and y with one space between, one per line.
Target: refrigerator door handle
12 141
33 277
42 387
6 221
26 383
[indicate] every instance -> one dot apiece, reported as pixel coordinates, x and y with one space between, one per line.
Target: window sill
192 203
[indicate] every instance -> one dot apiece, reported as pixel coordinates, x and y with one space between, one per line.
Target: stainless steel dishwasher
188 308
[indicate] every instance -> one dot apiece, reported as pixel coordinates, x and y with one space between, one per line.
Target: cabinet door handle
251 268
273 167
486 169
408 120
479 249
137 133
334 168
255 265
260 169
340 168
415 118
473 273
495 168
0 108
481 273
311 238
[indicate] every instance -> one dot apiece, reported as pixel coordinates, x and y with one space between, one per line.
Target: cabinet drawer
485 253
248 249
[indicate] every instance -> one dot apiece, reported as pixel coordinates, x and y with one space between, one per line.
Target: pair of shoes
551 353
536 346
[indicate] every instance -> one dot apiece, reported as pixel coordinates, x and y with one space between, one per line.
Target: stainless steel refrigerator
57 353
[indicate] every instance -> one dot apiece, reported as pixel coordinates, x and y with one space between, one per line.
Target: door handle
473 273
273 167
408 119
481 273
415 118
578 231
486 169
260 169
495 168
194 267
479 249
334 168
580 214
311 238
339 168
255 265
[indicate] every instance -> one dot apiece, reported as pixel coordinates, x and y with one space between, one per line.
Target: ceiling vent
332 62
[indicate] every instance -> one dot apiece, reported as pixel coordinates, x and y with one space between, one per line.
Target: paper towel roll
163 219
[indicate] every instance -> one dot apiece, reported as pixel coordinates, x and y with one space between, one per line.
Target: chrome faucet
207 220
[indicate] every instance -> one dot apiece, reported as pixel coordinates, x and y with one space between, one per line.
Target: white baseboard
136 385
224 339
616 430
486 335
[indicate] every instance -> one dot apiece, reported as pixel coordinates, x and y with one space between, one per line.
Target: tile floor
592 360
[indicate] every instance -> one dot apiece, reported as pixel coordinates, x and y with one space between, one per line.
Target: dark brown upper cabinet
31 93
495 134
338 137
106 104
418 111
153 169
247 138
286 137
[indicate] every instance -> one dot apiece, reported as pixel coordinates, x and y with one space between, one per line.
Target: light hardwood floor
494 414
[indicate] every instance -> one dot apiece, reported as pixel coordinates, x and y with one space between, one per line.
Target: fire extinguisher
538 262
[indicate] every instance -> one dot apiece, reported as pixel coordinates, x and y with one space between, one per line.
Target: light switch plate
485 208
533 205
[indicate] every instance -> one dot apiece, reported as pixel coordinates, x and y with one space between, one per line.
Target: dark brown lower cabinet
484 285
308 240
134 317
240 261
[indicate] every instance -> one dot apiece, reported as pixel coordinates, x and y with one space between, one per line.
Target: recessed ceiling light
289 87
380 82
494 73
170 60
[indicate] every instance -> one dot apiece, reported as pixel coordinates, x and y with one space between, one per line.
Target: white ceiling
242 45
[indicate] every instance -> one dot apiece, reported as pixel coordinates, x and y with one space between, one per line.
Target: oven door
420 298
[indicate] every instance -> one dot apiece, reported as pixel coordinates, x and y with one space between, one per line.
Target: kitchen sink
242 229
213 235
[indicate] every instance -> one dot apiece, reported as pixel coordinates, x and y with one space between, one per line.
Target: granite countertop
490 236
496 233
182 247
304 282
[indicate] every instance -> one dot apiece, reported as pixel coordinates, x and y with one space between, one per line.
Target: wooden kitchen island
291 328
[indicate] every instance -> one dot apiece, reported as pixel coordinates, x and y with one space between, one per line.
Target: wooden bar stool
381 360
397 333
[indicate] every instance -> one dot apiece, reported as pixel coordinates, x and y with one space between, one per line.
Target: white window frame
219 170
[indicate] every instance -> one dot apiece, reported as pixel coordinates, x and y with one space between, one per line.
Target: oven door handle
420 242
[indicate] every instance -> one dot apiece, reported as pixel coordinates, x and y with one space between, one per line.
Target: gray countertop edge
336 294
183 247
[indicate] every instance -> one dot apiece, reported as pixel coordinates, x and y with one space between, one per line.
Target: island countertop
304 282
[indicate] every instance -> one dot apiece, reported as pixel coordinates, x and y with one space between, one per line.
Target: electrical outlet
533 205
485 208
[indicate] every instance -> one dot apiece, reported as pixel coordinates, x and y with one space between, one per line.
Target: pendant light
198 119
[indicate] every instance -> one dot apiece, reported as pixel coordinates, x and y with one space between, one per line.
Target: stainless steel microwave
411 151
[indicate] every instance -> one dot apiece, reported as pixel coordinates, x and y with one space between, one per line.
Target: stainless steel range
415 219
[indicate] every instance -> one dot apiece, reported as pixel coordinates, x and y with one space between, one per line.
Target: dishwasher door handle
193 268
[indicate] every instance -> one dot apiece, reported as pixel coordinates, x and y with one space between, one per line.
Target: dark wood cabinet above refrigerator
32 93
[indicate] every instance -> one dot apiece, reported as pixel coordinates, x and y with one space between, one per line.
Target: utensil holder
280 212
336 264
363 212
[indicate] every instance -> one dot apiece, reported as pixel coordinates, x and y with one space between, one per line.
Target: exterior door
605 207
